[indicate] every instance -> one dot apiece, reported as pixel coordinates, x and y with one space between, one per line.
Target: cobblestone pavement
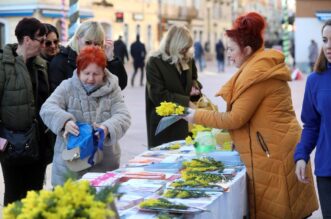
135 140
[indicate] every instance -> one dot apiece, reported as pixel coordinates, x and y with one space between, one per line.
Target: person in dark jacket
138 53
88 33
219 48
317 124
171 76
120 49
23 89
51 45
198 55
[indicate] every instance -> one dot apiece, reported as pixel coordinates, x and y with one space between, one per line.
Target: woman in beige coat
262 124
91 96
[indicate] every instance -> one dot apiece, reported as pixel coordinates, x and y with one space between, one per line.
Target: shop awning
58 13
323 15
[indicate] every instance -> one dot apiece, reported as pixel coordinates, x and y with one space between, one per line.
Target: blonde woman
88 33
171 76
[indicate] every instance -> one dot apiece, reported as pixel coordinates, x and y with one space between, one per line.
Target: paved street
135 140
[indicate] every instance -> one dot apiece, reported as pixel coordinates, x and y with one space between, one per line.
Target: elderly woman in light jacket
93 96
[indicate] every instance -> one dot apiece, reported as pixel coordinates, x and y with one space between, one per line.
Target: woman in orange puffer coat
262 124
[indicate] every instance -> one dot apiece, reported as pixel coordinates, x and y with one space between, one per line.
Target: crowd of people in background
46 88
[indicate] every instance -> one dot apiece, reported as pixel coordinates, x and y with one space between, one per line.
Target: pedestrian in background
138 53
317 124
171 76
312 54
198 55
92 95
262 124
120 50
23 89
219 48
88 33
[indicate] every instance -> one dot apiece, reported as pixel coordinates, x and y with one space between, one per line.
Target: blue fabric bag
86 149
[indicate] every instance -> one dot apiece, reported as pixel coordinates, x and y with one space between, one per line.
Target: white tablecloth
230 205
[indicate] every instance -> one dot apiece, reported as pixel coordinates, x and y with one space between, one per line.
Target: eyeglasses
48 43
90 42
41 41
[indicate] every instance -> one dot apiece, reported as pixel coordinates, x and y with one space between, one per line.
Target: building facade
207 19
310 15
149 18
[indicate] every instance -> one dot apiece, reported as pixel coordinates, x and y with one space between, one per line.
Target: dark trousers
141 76
19 179
324 192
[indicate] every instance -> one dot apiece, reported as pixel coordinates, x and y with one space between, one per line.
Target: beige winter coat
104 106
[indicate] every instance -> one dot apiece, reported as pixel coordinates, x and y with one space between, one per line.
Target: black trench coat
164 84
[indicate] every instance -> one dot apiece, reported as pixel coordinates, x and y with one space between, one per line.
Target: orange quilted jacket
264 128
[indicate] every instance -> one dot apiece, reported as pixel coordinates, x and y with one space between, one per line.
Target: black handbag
22 146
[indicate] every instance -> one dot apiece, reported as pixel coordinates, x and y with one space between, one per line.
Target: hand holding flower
189 117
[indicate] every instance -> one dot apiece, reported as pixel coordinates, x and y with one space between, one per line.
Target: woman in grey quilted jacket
92 96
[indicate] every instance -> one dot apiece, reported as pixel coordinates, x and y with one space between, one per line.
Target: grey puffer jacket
104 106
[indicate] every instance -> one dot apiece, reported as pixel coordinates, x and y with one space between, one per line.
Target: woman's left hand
109 49
195 91
190 115
104 128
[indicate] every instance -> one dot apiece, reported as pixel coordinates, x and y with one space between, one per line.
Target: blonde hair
90 30
177 39
321 62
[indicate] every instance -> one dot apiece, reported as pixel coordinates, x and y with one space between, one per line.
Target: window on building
126 34
197 4
195 35
2 35
200 35
119 17
138 29
149 37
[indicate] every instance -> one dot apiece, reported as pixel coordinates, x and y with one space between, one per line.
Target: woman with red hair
262 124
91 96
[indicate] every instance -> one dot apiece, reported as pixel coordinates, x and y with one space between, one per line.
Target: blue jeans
324 192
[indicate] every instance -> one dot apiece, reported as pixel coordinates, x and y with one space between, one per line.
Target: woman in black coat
88 33
171 76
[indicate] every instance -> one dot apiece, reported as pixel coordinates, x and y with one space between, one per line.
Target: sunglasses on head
90 42
48 43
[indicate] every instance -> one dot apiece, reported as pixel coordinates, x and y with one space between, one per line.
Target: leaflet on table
211 187
227 157
142 175
127 201
202 202
141 186
164 167
142 161
102 179
184 206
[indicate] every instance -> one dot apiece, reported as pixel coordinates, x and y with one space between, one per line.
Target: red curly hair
248 30
91 54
